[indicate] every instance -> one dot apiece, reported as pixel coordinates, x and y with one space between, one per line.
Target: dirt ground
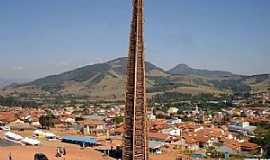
27 153
74 151
167 154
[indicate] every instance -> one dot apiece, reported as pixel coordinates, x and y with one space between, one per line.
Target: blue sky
39 38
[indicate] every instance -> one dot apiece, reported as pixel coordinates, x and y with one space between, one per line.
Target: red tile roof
7 117
158 136
248 146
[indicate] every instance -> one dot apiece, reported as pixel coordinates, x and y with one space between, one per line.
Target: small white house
69 120
173 110
172 131
174 121
151 116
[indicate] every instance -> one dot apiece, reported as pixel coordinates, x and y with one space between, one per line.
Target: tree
46 121
263 138
118 119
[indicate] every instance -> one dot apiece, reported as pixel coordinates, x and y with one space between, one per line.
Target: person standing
64 151
9 156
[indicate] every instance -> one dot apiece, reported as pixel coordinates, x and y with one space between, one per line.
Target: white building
174 121
173 110
172 131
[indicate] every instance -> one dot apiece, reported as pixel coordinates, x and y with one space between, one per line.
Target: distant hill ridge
11 81
107 81
185 69
95 73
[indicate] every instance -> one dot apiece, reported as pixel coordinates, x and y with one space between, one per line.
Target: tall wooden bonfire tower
135 141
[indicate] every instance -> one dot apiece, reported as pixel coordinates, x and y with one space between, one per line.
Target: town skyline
201 92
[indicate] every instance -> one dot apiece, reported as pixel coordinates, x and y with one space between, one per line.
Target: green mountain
91 75
107 81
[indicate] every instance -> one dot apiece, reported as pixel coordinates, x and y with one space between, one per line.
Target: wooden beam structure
135 141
